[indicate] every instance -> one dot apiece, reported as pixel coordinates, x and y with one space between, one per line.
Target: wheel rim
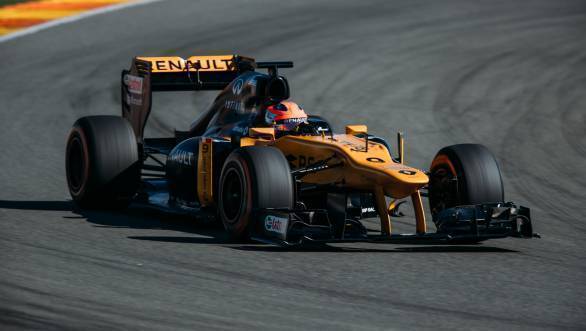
76 165
443 189
232 195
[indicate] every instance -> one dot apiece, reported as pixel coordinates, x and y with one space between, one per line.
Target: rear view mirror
266 133
356 129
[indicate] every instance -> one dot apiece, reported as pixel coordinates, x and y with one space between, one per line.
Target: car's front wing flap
462 224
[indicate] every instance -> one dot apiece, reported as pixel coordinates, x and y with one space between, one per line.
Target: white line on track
69 19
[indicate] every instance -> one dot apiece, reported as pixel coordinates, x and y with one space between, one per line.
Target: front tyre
102 162
464 174
252 178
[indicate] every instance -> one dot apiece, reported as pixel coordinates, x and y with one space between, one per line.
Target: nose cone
400 181
405 174
362 168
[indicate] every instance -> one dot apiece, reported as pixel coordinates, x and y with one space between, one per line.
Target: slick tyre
464 174
102 162
252 178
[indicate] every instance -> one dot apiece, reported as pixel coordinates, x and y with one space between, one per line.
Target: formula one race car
259 164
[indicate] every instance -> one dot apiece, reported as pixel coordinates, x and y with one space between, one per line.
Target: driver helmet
285 116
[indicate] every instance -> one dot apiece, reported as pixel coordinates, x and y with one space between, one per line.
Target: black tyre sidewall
77 191
477 171
268 184
237 227
113 168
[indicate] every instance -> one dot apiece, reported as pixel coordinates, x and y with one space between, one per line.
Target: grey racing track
507 74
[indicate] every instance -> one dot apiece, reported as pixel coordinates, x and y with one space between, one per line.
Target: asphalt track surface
508 74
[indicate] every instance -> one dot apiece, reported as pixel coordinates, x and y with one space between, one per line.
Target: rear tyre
101 162
464 174
252 177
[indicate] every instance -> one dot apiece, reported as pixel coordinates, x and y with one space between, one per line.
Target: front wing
458 225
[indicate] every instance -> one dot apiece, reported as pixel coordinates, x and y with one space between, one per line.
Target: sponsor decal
234 105
131 100
204 173
134 83
294 120
407 172
194 63
237 86
183 157
276 224
353 147
368 210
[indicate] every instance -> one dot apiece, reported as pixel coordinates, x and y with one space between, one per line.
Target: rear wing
172 73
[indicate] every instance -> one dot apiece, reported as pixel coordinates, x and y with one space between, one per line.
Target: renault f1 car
258 164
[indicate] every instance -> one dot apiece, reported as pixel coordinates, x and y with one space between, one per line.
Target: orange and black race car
256 162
